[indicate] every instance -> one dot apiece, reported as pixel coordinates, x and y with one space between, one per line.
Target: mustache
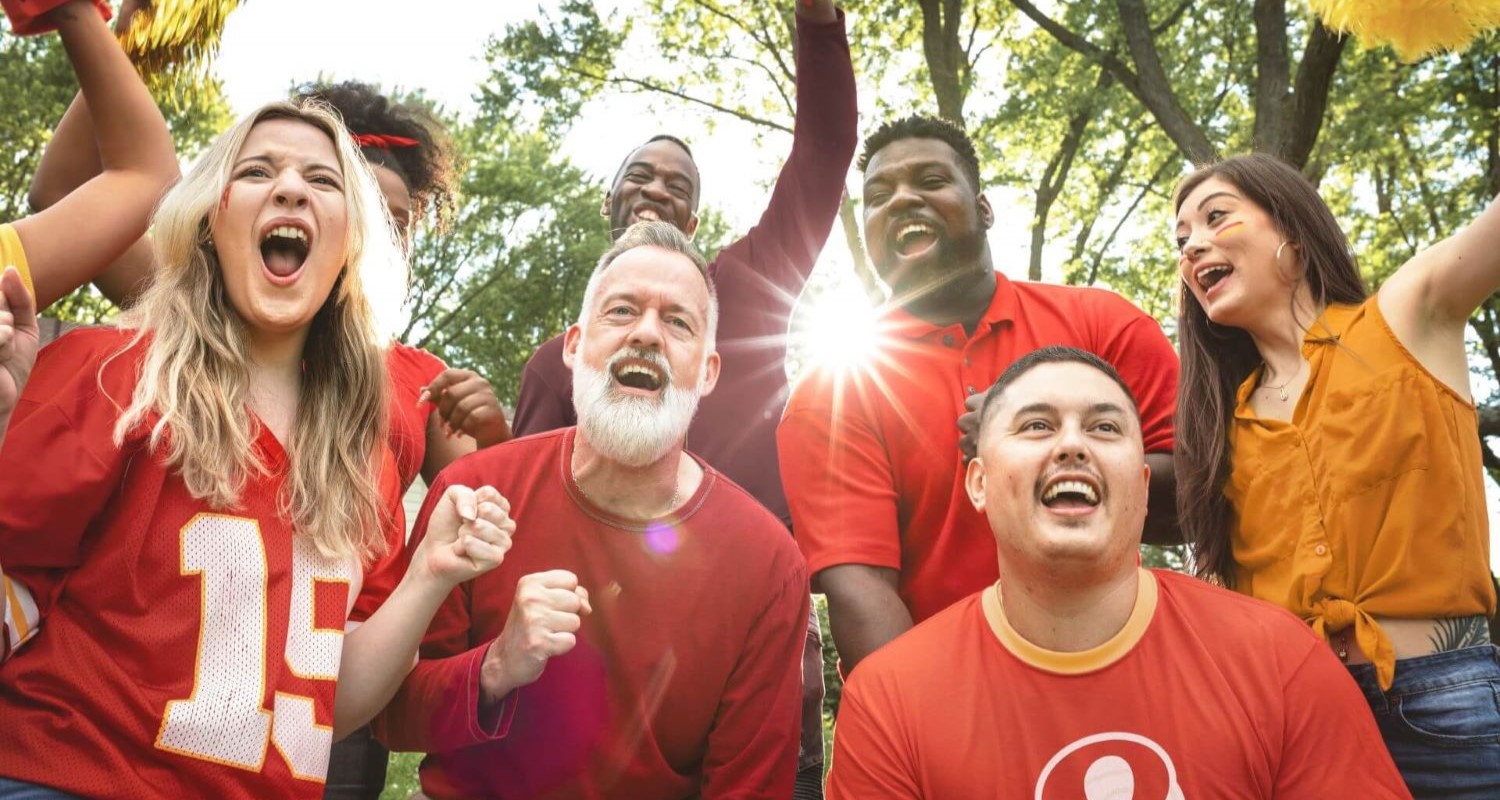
1088 469
653 357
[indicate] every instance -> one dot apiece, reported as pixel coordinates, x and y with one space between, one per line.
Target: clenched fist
468 535
543 623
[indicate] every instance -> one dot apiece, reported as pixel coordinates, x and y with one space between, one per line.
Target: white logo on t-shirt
1110 777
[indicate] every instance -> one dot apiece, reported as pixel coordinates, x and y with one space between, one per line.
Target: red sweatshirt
686 680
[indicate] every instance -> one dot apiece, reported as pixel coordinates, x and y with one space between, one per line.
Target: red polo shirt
869 454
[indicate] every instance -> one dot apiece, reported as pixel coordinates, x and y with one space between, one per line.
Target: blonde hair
194 383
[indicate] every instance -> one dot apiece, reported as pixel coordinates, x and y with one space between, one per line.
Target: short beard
634 431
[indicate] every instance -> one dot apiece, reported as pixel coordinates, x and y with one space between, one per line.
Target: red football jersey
184 650
410 371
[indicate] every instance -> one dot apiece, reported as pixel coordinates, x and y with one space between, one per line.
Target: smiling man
870 456
1093 677
645 637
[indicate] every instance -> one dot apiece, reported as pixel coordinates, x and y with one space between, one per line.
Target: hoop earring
1279 248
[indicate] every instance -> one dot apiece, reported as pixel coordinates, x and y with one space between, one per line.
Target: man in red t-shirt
1079 674
869 454
644 637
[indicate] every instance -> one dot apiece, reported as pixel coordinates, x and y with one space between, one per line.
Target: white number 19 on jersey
224 719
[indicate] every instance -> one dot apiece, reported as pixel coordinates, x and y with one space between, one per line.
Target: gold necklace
676 495
1279 390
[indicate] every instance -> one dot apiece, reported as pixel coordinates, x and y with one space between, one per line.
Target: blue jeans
15 790
1441 721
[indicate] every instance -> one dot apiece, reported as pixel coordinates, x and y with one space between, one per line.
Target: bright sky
270 45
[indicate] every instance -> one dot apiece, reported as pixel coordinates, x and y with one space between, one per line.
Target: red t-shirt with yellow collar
1203 694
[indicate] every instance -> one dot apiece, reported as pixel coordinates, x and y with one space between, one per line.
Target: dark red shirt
758 279
687 677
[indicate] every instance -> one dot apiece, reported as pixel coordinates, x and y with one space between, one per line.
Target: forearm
436 708
1161 503
70 159
128 128
379 653
864 611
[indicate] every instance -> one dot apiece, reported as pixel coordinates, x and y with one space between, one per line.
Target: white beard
632 430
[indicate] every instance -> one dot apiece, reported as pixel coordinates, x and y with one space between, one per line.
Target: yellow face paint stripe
1232 229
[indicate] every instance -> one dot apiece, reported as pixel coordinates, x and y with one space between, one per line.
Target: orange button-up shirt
1370 502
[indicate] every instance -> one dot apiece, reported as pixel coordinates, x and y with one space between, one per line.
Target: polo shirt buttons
948 340
971 389
1321 549
968 362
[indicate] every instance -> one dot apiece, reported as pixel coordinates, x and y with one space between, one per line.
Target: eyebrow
1217 194
311 165
671 308
916 166
1095 409
655 168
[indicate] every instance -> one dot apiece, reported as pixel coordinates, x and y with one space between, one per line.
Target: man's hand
468 535
466 403
19 340
968 426
543 623
817 10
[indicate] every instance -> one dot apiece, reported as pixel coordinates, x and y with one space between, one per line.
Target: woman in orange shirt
1328 456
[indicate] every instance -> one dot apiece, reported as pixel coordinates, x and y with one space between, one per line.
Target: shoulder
548 356
1090 300
1230 620
507 461
906 661
103 356
407 359
757 533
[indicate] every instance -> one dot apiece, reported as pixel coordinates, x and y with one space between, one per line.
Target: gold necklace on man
676 495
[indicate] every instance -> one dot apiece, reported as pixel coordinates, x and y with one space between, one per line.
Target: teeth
1216 271
648 214
1073 487
287 232
636 369
912 228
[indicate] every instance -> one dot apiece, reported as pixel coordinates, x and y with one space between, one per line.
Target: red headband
383 141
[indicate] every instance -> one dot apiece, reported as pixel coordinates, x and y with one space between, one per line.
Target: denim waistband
1434 671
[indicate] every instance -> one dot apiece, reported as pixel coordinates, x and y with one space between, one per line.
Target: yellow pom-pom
1413 28
177 34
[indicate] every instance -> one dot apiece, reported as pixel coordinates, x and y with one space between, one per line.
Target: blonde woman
208 495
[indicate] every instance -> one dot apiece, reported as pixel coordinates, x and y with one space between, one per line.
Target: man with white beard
644 636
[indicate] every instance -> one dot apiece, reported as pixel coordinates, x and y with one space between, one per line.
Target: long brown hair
1216 359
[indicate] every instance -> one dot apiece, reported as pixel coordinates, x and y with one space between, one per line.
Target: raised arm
1429 299
73 240
783 247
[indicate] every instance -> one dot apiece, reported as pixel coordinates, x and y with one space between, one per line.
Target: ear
572 339
710 377
692 227
604 206
974 482
986 214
